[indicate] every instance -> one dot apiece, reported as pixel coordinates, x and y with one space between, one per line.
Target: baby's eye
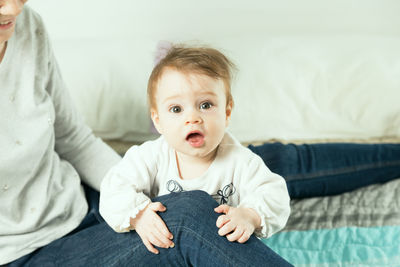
175 109
205 105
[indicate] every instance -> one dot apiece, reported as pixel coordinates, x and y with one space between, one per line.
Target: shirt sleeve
74 140
266 193
125 189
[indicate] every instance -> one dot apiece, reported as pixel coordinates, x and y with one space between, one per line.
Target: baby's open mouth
195 139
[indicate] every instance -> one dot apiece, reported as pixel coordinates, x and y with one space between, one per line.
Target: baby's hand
238 224
151 228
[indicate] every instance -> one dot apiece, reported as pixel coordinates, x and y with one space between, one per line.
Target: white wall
202 19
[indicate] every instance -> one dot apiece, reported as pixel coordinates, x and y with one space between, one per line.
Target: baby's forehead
170 74
185 72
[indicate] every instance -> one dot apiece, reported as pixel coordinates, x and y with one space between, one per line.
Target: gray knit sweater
45 147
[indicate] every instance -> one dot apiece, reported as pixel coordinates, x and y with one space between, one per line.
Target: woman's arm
74 140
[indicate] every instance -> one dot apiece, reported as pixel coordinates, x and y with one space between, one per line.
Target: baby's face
9 10
191 112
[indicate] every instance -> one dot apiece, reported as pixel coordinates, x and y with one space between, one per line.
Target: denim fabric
190 218
328 169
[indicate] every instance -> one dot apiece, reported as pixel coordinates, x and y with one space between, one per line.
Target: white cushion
310 74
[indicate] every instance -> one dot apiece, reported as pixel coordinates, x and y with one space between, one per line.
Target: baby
189 93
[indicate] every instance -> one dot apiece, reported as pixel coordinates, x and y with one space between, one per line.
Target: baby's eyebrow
171 98
177 96
209 93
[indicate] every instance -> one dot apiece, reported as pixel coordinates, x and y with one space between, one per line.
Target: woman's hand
151 228
237 224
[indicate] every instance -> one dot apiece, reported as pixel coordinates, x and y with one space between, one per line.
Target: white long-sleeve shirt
45 148
237 177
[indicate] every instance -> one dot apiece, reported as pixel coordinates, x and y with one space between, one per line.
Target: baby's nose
193 117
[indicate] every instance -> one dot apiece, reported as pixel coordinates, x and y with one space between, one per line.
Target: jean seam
343 170
126 255
199 237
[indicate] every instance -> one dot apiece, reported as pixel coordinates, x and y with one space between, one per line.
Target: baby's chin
199 152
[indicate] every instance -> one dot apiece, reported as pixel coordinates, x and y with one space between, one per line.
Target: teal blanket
359 228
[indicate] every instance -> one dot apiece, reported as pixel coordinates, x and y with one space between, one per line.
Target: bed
308 72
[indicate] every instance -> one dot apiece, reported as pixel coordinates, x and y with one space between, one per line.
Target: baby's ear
228 112
156 120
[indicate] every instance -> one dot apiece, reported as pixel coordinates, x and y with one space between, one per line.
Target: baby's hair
198 60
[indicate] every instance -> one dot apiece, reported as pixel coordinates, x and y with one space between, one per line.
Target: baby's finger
235 235
155 240
149 246
166 242
226 229
223 219
222 208
162 227
245 236
157 206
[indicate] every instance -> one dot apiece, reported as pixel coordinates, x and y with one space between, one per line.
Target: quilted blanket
358 228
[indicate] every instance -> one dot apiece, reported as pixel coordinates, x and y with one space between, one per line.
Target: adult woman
45 146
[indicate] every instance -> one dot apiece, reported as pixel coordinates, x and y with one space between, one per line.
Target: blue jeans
312 170
190 218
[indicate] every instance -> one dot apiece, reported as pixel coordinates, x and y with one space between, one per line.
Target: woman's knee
197 199
189 206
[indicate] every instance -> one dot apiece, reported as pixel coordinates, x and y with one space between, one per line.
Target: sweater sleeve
74 140
125 189
266 193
